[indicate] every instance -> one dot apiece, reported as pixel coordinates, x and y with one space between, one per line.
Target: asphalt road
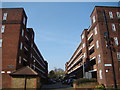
57 86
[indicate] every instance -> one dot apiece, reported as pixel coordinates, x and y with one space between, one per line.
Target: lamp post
108 40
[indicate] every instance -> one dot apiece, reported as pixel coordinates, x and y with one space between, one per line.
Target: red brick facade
18 48
100 43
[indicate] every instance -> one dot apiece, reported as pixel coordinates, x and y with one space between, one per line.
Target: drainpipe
83 70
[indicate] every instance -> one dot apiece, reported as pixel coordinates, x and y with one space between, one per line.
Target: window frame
113 27
97 44
95 30
116 41
20 59
21 46
3 29
111 15
1 42
93 19
24 20
5 16
118 14
99 58
118 56
100 74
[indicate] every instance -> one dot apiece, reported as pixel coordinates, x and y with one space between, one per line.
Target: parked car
64 81
51 81
70 81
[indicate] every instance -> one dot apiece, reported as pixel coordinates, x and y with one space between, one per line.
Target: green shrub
100 86
84 80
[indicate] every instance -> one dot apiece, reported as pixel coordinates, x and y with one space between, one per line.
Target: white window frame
2 72
118 14
24 20
21 45
82 36
8 72
93 19
116 41
20 59
95 30
83 45
2 28
118 56
1 43
113 27
99 58
22 32
97 44
111 15
100 74
5 16
84 55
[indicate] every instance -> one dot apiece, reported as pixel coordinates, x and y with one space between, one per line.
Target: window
24 20
118 56
2 28
93 19
97 44
22 33
111 15
99 58
116 41
9 72
118 14
83 45
84 55
21 46
4 16
82 36
100 74
95 30
2 72
113 27
19 59
0 43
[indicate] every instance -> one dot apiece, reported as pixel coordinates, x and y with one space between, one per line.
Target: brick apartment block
17 47
100 45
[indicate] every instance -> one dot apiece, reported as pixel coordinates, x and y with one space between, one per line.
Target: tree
57 74
52 74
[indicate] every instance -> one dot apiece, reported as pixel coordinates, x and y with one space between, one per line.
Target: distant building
99 44
17 47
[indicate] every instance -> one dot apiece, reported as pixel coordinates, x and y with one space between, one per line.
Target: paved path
57 86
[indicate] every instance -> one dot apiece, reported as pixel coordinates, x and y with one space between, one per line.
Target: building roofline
12 8
83 31
104 7
17 8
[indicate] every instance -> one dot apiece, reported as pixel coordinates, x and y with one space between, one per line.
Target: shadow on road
57 86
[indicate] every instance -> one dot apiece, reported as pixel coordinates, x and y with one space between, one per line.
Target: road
57 86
